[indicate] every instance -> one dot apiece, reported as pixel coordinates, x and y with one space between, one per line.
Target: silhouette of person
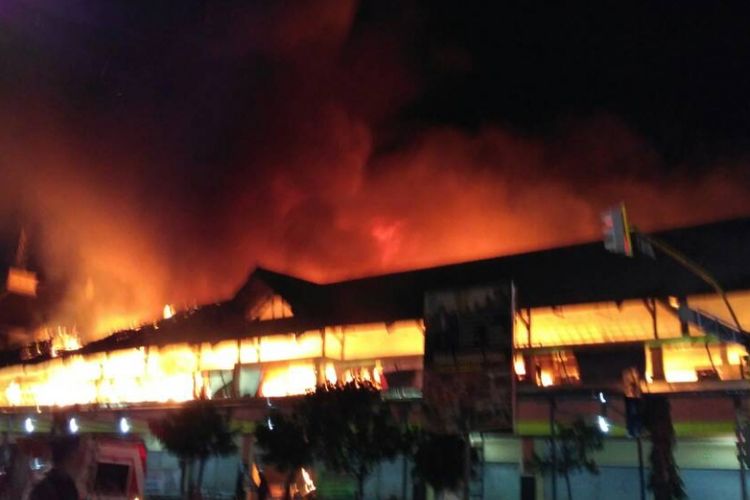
58 484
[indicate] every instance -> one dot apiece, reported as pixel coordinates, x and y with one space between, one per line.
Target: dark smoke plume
159 156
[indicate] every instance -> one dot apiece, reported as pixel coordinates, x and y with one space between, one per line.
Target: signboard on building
468 372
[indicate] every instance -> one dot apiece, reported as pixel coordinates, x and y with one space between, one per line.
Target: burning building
579 317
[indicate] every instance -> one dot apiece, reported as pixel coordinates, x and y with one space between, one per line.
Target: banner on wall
468 372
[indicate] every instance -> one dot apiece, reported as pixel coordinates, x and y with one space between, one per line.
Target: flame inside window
168 311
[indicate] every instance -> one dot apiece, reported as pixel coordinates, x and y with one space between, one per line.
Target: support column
641 479
532 483
684 326
650 304
553 445
738 424
657 362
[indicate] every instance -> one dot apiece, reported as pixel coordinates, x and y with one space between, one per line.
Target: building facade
588 328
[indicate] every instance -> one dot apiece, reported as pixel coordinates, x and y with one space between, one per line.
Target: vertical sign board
468 373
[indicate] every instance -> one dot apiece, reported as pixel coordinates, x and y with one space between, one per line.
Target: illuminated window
249 381
519 366
692 360
596 323
272 307
289 380
218 384
555 368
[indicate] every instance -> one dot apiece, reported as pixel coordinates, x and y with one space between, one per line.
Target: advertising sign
468 377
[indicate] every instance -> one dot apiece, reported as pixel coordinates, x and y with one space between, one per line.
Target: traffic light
616 231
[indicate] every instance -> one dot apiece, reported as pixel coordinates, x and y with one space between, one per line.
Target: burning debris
62 339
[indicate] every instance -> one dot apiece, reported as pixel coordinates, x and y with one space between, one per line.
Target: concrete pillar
657 362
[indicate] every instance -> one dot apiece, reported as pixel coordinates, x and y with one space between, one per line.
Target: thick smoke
159 159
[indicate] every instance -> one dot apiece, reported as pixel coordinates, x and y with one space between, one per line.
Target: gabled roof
301 294
554 277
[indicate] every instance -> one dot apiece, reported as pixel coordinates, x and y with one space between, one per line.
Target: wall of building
621 483
163 475
391 479
708 468
501 481
707 465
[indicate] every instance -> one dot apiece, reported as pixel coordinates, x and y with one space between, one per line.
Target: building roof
548 278
575 274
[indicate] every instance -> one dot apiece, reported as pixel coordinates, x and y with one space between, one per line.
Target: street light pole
714 283
693 267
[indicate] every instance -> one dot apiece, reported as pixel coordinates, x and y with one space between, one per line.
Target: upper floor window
271 307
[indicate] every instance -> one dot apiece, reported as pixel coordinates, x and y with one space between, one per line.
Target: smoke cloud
159 159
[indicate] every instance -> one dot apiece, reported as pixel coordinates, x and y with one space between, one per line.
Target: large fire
441 200
281 365
136 199
290 364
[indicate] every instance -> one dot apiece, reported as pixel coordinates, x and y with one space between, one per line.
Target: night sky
162 149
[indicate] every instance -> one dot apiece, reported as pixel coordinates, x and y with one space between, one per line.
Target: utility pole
741 443
641 480
553 445
631 382
693 268
618 238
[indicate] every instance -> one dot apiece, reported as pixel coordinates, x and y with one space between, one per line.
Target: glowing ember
168 311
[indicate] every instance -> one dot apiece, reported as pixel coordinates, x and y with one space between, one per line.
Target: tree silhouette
664 478
573 444
439 460
285 445
196 431
353 428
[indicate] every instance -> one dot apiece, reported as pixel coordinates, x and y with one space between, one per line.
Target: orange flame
168 311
